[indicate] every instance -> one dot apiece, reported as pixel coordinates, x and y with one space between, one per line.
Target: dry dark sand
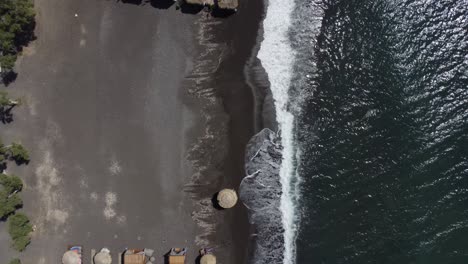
134 116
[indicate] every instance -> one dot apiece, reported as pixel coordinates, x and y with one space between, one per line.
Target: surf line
277 57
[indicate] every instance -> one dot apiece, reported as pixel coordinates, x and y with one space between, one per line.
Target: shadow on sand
161 4
132 2
190 9
6 116
222 13
214 201
9 77
182 6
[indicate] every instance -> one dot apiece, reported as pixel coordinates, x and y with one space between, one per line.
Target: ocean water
384 135
372 108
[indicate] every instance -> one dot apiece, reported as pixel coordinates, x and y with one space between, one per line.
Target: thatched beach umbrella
71 257
208 259
103 257
228 4
227 198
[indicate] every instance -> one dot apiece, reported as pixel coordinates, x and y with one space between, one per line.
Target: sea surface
371 101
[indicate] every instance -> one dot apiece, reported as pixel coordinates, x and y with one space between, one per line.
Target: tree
6 105
15 261
7 62
2 155
9 202
16 30
19 229
6 102
9 198
17 153
11 184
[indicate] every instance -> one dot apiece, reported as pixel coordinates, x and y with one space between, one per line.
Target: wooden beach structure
177 256
223 4
228 4
134 256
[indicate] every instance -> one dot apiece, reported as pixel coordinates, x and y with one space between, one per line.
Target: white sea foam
277 57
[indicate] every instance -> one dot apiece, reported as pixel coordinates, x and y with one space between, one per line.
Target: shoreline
220 84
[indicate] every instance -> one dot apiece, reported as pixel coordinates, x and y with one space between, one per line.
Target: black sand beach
135 115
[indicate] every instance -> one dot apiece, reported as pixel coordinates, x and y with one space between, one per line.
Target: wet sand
116 118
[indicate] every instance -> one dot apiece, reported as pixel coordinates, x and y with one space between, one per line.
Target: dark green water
384 134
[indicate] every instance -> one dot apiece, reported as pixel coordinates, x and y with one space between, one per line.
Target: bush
9 203
15 261
16 29
8 62
5 101
11 183
18 153
19 229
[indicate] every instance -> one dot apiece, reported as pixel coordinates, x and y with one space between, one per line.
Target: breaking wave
267 188
277 57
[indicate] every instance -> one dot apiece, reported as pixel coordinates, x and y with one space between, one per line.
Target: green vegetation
6 105
19 229
17 153
6 102
15 261
9 203
16 30
9 198
14 152
11 184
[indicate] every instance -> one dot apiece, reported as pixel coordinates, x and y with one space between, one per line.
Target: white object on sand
149 252
208 259
71 257
103 257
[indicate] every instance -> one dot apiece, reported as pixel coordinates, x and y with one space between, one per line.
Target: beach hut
103 257
223 4
177 256
228 4
71 257
208 259
134 259
227 198
201 2
134 256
